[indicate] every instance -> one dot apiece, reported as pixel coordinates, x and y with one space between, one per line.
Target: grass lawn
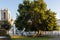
30 38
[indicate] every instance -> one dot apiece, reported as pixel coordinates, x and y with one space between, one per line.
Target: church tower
5 15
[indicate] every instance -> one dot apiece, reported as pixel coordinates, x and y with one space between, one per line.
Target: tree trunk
39 33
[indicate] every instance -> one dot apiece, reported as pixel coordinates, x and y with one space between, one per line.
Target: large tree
34 15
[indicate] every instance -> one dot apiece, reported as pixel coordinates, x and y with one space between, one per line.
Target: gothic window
4 15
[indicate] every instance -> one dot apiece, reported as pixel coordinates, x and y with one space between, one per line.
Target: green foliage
6 25
40 18
2 32
58 27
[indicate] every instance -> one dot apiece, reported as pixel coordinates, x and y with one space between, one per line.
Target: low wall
51 33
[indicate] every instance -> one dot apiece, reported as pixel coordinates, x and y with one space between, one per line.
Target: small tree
6 25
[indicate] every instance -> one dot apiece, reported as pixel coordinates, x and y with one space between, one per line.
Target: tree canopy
34 15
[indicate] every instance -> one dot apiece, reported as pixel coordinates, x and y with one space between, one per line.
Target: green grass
30 38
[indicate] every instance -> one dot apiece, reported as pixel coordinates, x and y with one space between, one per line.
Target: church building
5 16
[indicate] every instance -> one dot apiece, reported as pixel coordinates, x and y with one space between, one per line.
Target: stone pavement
5 38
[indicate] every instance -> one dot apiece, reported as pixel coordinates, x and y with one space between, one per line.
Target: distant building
58 22
5 16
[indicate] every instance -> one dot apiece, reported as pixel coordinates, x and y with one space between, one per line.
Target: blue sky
12 5
54 5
